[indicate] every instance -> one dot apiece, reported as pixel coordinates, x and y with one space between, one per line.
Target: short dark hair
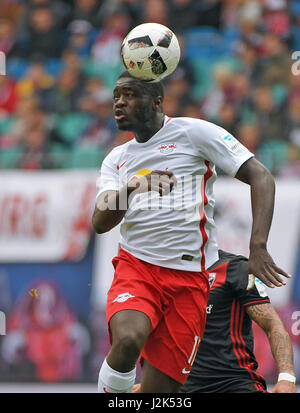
153 89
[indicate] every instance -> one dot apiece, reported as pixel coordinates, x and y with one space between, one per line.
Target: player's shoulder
186 120
121 148
116 153
197 125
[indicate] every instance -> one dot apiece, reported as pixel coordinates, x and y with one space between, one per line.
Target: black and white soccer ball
150 52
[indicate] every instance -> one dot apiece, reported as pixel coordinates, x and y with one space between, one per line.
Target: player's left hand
263 267
284 386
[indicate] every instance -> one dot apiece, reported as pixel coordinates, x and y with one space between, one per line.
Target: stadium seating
295 7
108 74
17 68
6 124
71 125
273 154
9 157
205 43
296 37
203 69
54 66
85 158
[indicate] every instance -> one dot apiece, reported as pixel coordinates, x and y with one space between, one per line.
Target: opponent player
156 305
225 362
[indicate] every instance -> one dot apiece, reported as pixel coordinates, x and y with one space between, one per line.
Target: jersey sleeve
238 279
108 179
217 145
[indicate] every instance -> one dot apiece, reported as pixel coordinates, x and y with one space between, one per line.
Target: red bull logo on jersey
167 148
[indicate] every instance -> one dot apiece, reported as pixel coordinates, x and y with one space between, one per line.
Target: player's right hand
159 181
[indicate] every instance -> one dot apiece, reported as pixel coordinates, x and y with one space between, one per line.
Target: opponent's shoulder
237 268
229 258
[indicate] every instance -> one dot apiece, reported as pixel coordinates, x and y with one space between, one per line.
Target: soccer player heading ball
160 185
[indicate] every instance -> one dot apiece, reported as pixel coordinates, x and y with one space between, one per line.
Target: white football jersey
175 230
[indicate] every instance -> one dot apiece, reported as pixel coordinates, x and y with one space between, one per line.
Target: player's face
132 106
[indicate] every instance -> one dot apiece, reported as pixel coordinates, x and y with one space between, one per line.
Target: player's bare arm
280 343
107 213
111 206
262 186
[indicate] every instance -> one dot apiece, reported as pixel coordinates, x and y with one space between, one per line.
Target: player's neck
148 129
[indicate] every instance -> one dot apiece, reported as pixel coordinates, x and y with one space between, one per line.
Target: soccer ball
150 52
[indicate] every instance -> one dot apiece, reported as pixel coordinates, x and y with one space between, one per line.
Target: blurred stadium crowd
62 60
63 57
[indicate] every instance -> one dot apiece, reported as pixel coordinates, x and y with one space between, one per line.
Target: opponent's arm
111 206
267 318
262 186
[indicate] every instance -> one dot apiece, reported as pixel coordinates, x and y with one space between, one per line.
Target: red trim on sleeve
203 218
267 300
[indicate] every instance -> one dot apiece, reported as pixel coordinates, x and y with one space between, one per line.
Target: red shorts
175 302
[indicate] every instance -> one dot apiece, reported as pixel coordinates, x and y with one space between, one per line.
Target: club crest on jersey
167 148
211 278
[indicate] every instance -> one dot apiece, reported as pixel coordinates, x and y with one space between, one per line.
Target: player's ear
157 103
